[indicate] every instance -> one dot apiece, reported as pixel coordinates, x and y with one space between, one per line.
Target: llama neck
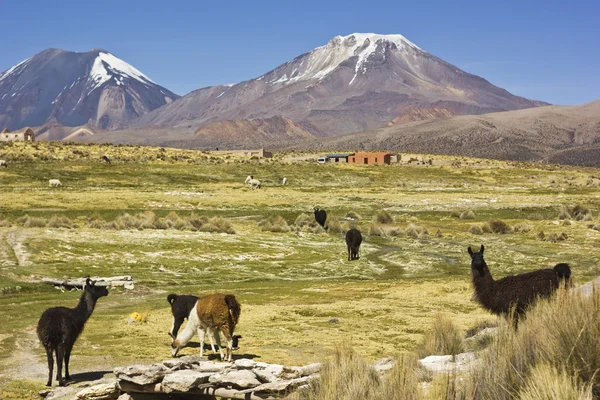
86 306
190 329
483 283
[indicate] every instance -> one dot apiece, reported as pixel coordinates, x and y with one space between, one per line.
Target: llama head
477 261
95 291
175 346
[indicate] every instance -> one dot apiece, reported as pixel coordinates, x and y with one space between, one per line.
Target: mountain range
356 91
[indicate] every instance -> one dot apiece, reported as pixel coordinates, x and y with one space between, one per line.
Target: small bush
443 338
548 382
475 229
467 215
60 221
414 231
522 227
394 231
4 223
334 225
596 227
384 217
541 236
218 225
375 230
31 222
274 224
498 226
438 233
455 213
352 215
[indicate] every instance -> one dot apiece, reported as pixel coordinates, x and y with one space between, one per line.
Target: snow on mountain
73 89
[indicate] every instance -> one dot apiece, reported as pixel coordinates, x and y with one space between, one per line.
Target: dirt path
15 239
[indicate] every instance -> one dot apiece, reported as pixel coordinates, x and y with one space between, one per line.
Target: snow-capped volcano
352 83
325 59
73 89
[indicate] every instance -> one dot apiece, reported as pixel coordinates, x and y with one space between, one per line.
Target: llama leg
229 340
60 355
50 365
210 337
67 358
349 253
218 340
201 333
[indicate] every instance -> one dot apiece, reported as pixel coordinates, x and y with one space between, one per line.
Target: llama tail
234 307
171 298
563 271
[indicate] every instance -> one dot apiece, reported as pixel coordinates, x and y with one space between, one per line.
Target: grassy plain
300 296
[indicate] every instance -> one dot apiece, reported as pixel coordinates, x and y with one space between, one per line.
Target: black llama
518 291
59 328
320 216
353 241
106 159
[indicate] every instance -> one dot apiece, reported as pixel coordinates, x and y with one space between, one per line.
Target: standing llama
59 328
353 241
518 291
217 313
252 182
320 216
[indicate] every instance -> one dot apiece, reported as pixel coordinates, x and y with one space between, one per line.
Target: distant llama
353 241
254 183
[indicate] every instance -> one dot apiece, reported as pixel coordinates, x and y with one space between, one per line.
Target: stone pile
193 376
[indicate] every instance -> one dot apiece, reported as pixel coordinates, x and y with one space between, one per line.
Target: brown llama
514 291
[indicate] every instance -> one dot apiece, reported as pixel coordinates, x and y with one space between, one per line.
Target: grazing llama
59 328
320 216
217 313
518 291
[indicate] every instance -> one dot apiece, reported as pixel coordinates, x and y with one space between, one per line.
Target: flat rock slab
239 379
460 362
103 391
141 374
184 381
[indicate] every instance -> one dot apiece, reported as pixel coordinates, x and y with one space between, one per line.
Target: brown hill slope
569 134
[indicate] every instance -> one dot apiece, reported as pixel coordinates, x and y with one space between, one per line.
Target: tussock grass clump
352 215
443 338
455 213
394 231
218 225
346 377
577 212
415 231
31 222
307 223
499 226
596 227
570 349
549 382
467 215
384 217
334 225
540 236
475 229
375 230
556 237
4 222
60 221
522 227
274 224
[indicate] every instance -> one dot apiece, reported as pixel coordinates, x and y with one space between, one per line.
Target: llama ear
172 336
470 251
88 282
481 250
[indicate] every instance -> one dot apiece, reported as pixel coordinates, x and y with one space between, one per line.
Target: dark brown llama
518 291
59 328
353 241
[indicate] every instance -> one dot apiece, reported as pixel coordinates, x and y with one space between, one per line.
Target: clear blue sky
544 50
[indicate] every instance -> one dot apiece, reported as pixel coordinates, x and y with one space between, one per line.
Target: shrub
475 229
522 227
334 225
384 217
540 236
467 215
516 358
274 224
414 231
218 224
4 222
60 221
375 230
394 231
548 382
455 213
352 215
498 226
443 338
31 222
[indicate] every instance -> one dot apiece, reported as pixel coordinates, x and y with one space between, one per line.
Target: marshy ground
299 294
